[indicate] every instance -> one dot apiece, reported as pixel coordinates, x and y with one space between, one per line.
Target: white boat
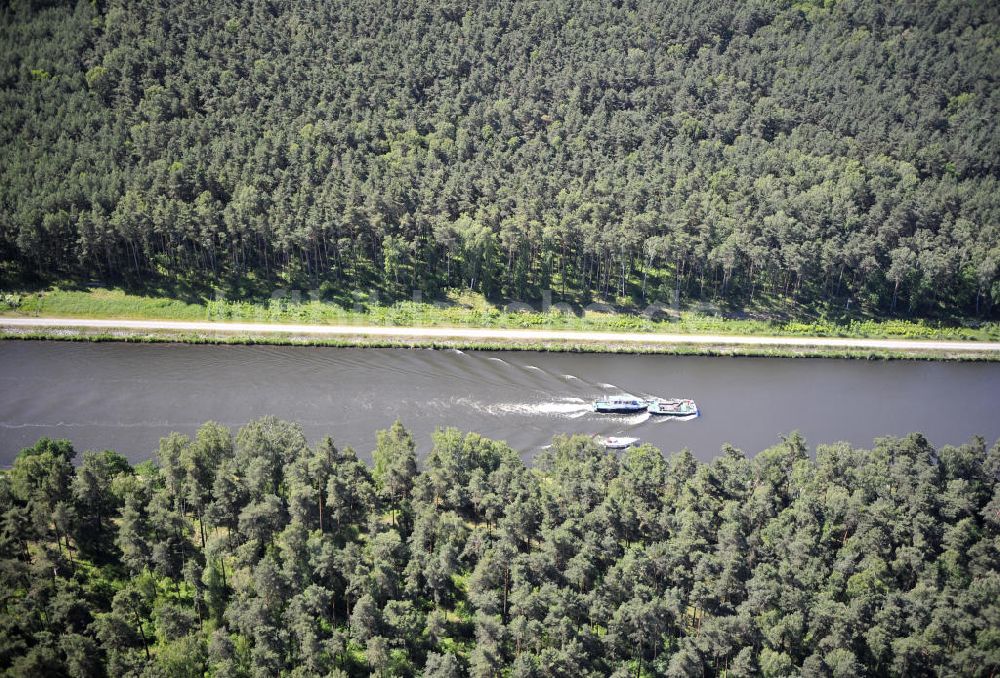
673 407
619 404
615 443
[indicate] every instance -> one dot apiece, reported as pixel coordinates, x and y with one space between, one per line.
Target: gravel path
497 334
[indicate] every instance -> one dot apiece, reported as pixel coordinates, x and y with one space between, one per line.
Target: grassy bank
465 310
169 337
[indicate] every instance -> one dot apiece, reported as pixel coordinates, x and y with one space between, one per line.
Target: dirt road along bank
493 334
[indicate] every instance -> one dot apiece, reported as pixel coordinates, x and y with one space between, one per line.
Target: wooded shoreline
252 554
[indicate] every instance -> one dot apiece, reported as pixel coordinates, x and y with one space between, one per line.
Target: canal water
126 396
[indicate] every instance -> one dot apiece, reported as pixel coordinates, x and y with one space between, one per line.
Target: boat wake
569 408
635 419
96 424
625 419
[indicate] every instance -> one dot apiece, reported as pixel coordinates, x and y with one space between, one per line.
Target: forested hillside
818 152
261 556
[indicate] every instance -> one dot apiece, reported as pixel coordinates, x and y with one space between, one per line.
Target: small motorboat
673 407
625 404
615 443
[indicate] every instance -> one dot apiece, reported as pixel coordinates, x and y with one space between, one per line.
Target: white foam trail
571 410
455 350
532 367
638 418
607 386
570 376
499 360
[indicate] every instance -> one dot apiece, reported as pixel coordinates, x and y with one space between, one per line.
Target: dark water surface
126 396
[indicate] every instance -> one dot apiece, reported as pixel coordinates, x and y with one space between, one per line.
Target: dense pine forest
834 154
257 555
